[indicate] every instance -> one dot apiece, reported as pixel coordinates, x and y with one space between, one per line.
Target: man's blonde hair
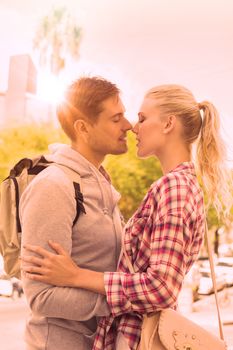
83 100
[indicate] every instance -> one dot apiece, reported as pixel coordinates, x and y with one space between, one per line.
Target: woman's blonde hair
201 123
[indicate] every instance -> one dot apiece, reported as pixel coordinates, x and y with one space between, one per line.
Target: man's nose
128 125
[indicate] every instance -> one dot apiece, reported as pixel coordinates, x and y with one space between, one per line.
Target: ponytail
211 155
201 124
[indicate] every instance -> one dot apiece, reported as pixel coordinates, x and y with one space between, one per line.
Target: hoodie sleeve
47 210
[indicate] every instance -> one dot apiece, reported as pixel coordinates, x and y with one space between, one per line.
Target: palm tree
57 35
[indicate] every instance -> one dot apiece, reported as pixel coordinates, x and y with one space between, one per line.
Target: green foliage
25 141
131 176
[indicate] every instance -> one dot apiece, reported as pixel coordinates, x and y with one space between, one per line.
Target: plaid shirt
162 240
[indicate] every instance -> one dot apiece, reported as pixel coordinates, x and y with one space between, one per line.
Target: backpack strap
76 180
79 202
33 168
38 165
16 186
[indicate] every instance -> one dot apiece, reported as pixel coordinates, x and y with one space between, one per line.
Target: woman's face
149 129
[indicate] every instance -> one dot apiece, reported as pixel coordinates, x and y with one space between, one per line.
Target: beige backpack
11 190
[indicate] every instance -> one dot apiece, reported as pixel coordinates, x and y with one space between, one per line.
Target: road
205 314
12 321
13 314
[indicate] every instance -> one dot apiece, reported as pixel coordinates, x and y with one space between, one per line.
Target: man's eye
116 120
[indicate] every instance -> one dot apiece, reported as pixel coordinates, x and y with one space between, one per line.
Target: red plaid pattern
162 240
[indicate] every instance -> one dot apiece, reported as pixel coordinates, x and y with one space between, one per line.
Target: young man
92 115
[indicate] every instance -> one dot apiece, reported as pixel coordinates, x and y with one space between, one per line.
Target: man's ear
169 124
81 127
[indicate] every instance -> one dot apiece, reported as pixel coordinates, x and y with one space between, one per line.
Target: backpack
11 190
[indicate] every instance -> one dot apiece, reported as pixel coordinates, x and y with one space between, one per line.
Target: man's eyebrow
117 115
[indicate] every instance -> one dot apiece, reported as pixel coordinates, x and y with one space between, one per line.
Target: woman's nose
135 128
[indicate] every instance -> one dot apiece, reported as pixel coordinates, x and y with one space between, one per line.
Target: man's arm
47 211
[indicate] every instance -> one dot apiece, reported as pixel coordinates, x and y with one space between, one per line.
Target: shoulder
50 183
173 191
52 176
170 183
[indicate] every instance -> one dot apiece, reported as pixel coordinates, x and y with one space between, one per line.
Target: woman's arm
142 292
59 269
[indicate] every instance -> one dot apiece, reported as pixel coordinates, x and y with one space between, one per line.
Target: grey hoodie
65 318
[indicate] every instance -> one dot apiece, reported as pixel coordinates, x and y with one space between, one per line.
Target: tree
57 35
25 141
131 176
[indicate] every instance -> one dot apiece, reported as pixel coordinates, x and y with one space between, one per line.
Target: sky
138 44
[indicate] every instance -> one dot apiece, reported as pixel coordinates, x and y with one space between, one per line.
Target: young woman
164 236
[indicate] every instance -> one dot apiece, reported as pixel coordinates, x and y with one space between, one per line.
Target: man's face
108 134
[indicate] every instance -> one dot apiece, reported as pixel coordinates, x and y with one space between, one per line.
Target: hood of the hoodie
65 155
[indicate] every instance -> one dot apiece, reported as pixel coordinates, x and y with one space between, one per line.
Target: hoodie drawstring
105 208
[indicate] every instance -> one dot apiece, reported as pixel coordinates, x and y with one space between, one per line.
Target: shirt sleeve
47 210
159 285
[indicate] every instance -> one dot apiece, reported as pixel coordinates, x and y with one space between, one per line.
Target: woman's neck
170 159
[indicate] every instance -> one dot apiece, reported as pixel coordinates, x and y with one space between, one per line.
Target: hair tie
200 106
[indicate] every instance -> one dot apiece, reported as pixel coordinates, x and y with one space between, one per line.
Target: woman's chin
141 154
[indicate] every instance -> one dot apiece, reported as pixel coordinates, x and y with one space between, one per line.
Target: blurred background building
19 104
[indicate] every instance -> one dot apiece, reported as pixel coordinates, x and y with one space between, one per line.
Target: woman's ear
169 124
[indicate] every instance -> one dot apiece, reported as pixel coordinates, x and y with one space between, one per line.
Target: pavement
204 313
208 305
12 323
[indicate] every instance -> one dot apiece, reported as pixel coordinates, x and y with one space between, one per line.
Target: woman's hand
56 269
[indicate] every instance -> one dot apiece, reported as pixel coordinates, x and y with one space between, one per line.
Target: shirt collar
187 167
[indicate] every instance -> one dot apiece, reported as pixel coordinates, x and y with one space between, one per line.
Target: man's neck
93 158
